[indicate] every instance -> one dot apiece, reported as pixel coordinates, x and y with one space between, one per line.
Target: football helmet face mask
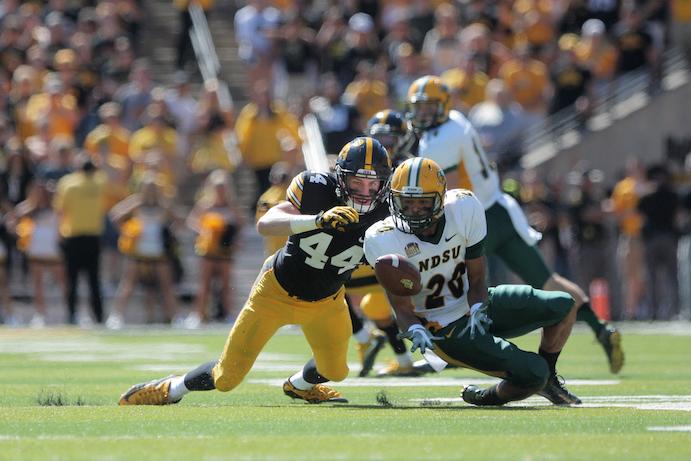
428 102
416 201
389 128
362 164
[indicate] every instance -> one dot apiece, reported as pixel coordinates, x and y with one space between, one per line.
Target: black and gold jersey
315 264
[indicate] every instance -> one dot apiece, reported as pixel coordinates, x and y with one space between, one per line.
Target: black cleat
474 395
610 339
556 392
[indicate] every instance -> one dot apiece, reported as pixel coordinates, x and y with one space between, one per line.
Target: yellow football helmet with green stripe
428 102
364 158
418 186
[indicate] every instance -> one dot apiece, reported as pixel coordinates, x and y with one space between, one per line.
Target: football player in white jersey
443 234
449 139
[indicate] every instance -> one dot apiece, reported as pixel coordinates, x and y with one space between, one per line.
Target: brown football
397 275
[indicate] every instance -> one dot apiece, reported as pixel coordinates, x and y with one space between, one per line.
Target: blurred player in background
447 137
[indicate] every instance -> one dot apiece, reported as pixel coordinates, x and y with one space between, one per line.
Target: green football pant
514 310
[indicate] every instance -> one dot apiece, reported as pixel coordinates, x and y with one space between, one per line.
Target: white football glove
420 336
479 321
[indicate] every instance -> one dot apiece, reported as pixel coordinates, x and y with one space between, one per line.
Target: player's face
363 191
424 113
417 207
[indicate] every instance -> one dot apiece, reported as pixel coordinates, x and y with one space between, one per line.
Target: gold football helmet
428 102
417 194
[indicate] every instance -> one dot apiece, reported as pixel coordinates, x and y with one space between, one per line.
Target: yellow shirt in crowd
259 138
625 201
469 90
527 83
269 199
601 61
115 142
79 200
681 10
369 96
205 4
60 112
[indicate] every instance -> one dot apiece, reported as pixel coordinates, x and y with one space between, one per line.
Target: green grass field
644 413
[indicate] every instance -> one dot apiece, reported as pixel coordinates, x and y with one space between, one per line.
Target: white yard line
639 402
669 428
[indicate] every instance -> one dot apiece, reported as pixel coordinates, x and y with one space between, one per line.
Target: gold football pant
325 323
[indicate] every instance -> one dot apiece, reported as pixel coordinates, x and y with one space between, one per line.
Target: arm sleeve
477 224
294 194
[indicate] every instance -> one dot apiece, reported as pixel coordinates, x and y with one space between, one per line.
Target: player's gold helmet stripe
368 154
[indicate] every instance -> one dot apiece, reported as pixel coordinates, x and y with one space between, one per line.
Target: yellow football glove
337 218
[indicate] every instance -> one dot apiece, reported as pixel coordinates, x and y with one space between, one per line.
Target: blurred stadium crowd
83 123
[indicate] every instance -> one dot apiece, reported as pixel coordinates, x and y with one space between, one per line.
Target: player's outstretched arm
282 219
285 219
410 325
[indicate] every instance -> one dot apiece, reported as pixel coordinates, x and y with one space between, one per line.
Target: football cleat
473 394
154 392
318 394
368 352
556 392
396 369
610 339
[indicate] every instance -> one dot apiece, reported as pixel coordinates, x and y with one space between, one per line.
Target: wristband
302 223
474 308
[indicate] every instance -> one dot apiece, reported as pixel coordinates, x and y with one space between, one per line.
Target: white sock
299 382
404 359
362 336
177 388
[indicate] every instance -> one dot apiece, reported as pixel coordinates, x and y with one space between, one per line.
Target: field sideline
59 390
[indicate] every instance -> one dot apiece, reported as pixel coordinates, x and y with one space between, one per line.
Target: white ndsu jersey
456 144
442 265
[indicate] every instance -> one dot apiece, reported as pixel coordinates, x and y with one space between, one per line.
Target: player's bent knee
561 304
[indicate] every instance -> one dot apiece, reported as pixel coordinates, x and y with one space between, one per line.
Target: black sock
586 314
310 373
397 345
201 379
551 358
490 396
355 319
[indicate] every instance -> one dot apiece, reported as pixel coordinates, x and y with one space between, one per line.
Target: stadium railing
210 67
624 93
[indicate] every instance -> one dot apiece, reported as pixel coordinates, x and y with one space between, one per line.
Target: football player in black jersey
326 216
